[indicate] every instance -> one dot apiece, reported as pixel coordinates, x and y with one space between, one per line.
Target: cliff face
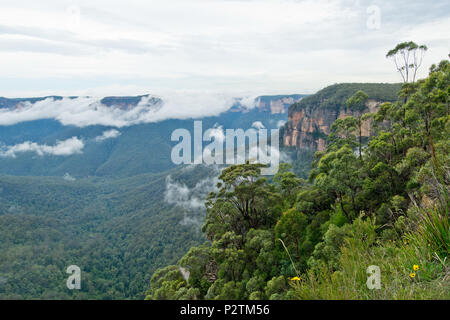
277 105
309 127
271 104
310 120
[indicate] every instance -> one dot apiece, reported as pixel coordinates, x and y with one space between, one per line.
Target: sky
234 47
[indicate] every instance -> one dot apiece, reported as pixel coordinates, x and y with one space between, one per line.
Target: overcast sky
106 47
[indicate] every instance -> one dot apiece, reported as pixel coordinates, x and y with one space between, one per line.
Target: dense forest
106 209
110 228
382 202
335 96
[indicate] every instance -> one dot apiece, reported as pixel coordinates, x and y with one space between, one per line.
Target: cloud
281 123
87 111
191 200
81 112
250 102
68 177
109 134
264 46
216 132
258 125
61 148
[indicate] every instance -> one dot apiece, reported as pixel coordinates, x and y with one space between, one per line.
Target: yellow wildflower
412 275
295 279
416 267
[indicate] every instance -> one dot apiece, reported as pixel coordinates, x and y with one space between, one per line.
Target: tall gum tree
408 57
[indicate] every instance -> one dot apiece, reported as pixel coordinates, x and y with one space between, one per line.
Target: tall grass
396 261
434 228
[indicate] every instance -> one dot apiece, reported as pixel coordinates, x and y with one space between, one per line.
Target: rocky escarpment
277 104
310 120
271 104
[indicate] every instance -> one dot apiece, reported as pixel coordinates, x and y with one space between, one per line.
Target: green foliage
357 102
110 228
360 249
243 202
166 283
287 183
291 228
339 174
314 240
328 251
434 227
334 97
408 58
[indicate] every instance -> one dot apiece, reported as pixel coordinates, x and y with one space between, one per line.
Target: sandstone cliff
310 120
278 104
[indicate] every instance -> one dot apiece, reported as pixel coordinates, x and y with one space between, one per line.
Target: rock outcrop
310 120
272 104
308 128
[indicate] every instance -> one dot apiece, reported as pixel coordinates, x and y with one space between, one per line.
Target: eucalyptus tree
357 104
408 57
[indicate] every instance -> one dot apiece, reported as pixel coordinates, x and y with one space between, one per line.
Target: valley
106 208
120 209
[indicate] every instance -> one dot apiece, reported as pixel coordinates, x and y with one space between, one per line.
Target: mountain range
100 150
